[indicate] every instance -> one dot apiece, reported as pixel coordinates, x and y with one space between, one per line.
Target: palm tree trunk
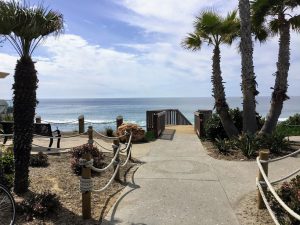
220 97
281 82
24 102
248 76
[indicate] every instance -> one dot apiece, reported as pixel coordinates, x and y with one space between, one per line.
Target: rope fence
86 182
263 184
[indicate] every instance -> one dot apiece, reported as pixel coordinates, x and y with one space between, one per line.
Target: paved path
180 184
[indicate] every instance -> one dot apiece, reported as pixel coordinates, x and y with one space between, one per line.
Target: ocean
101 112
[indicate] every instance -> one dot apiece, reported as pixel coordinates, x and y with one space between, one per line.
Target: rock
138 134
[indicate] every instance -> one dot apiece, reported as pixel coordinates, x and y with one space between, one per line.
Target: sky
131 48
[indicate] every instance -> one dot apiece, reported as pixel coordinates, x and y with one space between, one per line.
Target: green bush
149 136
78 152
275 142
289 192
109 132
290 127
39 160
39 205
214 128
7 168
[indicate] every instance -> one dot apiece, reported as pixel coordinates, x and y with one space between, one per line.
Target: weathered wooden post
263 155
81 124
127 141
116 144
119 121
38 119
86 174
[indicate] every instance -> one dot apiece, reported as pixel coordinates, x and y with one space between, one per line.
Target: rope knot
84 162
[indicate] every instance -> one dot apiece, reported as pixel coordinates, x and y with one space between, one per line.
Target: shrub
223 145
289 192
290 127
78 153
275 142
39 160
248 144
109 132
7 168
149 136
214 128
39 205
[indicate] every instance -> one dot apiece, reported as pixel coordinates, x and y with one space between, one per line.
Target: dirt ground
60 179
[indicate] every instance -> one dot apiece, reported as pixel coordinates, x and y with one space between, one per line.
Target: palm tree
280 18
248 77
215 30
25 27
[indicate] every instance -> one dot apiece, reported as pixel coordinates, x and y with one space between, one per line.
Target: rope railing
86 182
263 183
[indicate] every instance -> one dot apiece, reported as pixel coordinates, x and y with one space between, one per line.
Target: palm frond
295 23
192 42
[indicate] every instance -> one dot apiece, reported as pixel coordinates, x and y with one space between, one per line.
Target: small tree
215 30
25 27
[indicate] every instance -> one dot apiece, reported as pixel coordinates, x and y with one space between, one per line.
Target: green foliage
7 168
214 128
248 144
149 136
289 192
39 205
109 132
223 145
78 152
276 142
39 160
7 117
290 127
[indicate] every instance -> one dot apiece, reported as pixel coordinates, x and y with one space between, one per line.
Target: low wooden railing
159 123
198 125
172 117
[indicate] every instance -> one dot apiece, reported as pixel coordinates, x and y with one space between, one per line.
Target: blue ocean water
100 110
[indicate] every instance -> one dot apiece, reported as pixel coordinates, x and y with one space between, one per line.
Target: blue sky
131 48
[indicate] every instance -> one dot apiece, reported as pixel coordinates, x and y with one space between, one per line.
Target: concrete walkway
180 184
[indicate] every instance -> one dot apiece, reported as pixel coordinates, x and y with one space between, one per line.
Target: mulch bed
60 179
237 155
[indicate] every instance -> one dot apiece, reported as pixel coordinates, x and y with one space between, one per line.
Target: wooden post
115 148
38 119
127 141
119 121
86 174
81 124
263 155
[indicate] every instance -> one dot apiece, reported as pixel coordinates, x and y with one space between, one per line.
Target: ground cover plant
39 160
289 192
7 168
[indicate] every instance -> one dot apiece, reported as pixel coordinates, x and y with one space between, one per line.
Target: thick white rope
279 200
281 158
39 146
286 177
128 157
67 122
86 185
266 202
89 164
110 181
6 135
101 146
110 138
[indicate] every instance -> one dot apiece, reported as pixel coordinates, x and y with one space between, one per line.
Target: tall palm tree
248 77
25 27
215 30
280 18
